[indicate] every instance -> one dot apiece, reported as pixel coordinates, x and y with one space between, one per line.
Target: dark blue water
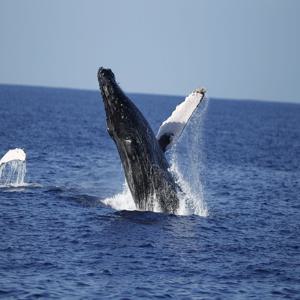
57 240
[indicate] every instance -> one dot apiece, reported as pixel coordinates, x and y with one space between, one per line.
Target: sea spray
13 168
12 173
121 201
187 166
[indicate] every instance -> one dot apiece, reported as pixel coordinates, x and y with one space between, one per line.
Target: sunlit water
66 234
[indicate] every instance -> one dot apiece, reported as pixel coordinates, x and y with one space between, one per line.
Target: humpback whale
141 152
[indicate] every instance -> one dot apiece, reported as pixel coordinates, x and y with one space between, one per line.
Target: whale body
141 152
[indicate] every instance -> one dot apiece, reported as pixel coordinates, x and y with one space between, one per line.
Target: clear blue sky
245 49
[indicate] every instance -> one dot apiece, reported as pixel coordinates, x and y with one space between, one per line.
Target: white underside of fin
175 124
13 154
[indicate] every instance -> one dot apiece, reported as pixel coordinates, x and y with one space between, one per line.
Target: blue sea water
59 241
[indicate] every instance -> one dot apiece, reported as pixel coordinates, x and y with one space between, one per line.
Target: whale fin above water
13 154
171 129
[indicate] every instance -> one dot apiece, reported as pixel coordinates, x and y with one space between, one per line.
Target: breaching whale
142 153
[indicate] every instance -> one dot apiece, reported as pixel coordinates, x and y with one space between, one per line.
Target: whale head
122 116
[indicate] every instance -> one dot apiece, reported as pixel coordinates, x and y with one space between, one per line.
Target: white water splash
187 168
13 168
13 173
191 196
121 201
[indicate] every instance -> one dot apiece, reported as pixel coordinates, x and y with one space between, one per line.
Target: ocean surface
71 231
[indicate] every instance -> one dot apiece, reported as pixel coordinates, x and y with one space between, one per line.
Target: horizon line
147 93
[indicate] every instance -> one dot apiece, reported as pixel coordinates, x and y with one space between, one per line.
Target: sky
238 49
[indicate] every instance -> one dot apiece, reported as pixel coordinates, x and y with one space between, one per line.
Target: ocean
71 231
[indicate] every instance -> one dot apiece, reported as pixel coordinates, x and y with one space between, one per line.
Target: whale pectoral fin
13 154
171 129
